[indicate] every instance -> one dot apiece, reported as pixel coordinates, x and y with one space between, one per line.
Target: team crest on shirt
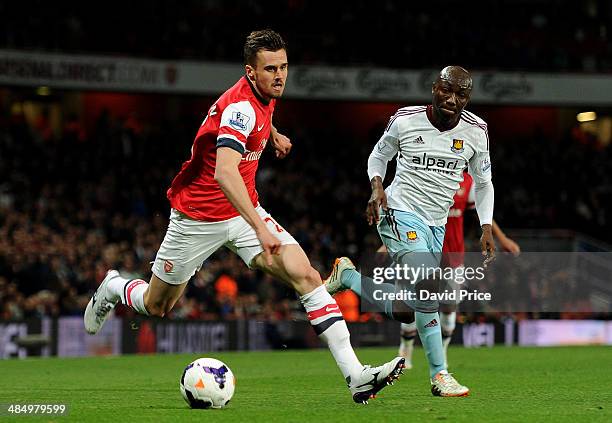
239 121
457 146
412 235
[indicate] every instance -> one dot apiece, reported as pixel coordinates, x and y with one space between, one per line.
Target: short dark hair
265 39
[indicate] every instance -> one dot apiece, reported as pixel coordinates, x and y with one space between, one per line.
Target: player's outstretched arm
507 244
281 143
229 179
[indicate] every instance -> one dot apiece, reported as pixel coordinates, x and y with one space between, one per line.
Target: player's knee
310 277
404 316
305 276
402 312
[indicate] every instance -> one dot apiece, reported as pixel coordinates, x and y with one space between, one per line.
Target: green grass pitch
508 384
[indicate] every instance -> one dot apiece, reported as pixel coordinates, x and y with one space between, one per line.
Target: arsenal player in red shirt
214 204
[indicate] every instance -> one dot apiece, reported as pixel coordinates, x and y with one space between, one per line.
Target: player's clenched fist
281 143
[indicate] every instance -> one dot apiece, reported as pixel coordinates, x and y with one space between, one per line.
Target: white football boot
445 385
100 305
373 379
333 284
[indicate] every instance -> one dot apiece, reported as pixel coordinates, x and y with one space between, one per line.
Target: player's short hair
265 39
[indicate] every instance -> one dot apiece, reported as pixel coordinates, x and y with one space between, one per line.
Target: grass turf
508 384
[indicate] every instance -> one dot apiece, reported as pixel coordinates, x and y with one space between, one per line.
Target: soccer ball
207 383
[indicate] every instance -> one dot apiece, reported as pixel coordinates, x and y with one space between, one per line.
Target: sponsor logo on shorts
412 235
168 266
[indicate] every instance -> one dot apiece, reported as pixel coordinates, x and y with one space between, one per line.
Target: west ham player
215 204
454 243
433 145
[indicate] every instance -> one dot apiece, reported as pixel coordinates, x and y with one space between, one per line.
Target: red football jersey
453 238
239 119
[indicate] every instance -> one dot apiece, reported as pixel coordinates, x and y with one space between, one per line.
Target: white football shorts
189 242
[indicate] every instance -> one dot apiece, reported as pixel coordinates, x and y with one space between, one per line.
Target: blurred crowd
74 205
547 35
554 183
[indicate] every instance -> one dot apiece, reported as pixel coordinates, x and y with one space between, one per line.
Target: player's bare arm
229 179
485 194
487 244
507 244
377 199
484 207
281 143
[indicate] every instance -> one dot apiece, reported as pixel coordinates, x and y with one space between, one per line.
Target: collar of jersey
256 94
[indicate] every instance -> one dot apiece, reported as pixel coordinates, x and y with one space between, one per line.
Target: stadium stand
548 35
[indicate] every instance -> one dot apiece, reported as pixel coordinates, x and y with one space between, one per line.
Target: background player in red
215 203
454 243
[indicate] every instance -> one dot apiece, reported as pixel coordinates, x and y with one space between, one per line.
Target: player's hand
282 144
377 199
510 246
270 244
487 245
